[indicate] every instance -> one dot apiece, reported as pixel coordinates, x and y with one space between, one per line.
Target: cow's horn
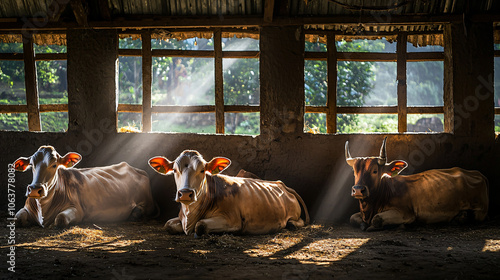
383 153
347 154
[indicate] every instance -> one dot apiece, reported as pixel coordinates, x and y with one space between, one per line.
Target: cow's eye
375 171
202 171
54 166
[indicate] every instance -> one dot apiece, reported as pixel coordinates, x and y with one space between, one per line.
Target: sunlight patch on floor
491 245
78 239
273 246
326 251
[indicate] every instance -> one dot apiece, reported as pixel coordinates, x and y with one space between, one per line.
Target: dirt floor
136 250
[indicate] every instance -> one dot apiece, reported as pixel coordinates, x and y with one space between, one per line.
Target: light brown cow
433 196
60 195
219 203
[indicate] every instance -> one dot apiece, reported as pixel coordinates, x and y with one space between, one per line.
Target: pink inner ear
71 159
21 164
160 164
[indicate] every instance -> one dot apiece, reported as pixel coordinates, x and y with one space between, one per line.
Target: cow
61 195
433 196
216 203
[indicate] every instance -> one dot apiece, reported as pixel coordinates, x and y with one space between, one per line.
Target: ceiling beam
227 21
268 11
80 12
55 10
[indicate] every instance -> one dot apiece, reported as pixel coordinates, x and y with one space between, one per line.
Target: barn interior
462 36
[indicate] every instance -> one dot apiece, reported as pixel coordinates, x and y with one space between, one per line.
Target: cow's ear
217 165
22 164
161 165
395 167
70 159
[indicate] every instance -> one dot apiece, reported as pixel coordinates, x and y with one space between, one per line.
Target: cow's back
260 206
440 195
109 193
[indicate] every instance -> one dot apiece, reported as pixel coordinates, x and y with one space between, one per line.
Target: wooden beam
147 68
44 108
268 11
377 110
13 109
155 21
55 10
219 83
174 109
51 56
374 56
12 56
79 12
368 110
31 84
331 102
401 79
104 9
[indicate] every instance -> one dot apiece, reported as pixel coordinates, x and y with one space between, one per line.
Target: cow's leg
390 217
22 218
215 224
295 224
136 214
66 217
174 226
357 221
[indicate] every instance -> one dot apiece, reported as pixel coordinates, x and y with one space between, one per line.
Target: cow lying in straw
218 203
60 195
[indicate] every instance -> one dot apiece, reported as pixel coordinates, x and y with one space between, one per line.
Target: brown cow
60 195
432 196
219 203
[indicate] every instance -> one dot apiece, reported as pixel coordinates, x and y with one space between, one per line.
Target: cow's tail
297 196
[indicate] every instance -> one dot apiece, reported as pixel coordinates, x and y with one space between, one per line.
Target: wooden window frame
401 57
497 109
33 107
147 109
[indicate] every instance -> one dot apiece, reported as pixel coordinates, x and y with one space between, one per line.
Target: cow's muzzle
359 192
35 191
186 196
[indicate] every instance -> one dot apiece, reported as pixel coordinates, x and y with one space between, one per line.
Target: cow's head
189 170
369 171
44 164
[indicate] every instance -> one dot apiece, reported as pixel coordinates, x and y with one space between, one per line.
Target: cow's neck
194 212
207 199
376 202
56 199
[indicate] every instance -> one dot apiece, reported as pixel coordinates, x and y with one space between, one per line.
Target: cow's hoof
363 226
60 222
136 214
196 236
200 229
378 222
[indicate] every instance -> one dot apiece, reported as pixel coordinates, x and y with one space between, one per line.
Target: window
206 83
365 95
33 86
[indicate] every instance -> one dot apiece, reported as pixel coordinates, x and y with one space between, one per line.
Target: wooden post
31 84
219 83
147 65
468 80
282 95
331 103
401 78
92 87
